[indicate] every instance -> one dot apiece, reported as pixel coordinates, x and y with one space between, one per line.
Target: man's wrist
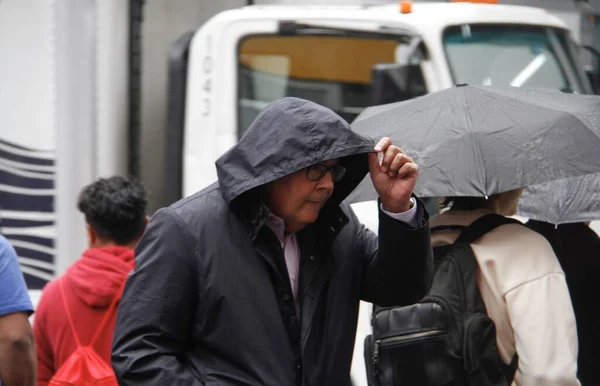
399 206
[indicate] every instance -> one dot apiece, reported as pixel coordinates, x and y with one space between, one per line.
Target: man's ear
91 235
146 220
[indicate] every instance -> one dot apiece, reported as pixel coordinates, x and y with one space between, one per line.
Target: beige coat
525 293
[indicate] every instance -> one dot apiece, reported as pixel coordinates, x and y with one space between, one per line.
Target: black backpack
446 339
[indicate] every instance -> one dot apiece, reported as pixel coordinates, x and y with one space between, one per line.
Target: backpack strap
483 225
111 307
447 228
67 312
468 264
470 234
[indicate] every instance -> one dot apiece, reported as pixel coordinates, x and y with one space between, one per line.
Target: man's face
298 199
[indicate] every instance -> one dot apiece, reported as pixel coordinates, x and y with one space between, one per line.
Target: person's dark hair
115 208
464 203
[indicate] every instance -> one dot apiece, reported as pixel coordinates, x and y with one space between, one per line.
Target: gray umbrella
479 141
568 200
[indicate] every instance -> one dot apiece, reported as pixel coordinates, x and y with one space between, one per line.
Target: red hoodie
90 284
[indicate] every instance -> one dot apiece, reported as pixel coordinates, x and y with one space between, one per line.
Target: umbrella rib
477 150
426 134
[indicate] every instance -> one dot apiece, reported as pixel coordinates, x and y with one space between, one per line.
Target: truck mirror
593 71
393 82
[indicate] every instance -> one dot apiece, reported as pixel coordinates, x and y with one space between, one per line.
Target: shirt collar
277 225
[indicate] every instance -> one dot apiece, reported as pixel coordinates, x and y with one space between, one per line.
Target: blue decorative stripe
26 159
33 282
12 179
19 223
15 146
32 239
33 254
14 201
20 173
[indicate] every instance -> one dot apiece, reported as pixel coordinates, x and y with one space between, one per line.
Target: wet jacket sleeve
155 314
397 265
545 332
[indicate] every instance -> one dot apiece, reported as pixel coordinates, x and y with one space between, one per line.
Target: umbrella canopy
568 200
479 140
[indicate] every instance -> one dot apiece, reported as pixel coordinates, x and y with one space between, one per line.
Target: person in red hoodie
115 215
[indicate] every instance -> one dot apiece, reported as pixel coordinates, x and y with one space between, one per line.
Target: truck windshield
334 71
502 55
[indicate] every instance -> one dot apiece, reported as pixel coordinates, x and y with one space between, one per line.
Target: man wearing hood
115 215
256 280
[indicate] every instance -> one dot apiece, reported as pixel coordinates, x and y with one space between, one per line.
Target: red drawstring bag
84 366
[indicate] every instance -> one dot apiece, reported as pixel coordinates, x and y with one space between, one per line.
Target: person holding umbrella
478 147
522 286
561 211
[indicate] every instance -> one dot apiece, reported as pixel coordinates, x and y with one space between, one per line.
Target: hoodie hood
288 135
96 277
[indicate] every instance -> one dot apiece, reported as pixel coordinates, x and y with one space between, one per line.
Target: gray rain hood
288 135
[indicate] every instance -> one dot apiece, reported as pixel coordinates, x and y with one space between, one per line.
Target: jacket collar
331 219
256 216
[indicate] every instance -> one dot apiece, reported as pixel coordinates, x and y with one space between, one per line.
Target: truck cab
348 58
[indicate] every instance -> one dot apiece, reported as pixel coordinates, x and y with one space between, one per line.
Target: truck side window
334 71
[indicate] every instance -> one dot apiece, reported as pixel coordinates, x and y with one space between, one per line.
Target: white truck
68 73
348 58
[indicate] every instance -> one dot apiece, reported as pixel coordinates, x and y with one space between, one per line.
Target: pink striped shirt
291 249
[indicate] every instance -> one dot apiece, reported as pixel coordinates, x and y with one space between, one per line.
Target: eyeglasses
318 171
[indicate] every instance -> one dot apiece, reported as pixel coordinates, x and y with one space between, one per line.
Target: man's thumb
373 164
